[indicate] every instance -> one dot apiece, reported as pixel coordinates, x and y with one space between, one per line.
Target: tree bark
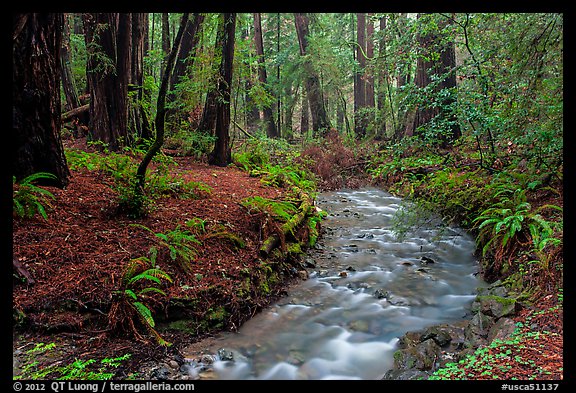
36 40
222 153
74 112
138 119
107 70
383 85
251 107
360 85
320 122
165 42
305 115
426 69
271 129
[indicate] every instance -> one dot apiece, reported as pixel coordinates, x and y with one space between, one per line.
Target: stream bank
374 307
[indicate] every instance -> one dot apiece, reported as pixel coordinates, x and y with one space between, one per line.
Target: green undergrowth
79 369
121 167
500 357
517 237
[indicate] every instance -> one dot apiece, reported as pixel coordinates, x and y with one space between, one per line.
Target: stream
367 289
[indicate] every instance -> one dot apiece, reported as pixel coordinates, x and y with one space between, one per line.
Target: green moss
294 249
185 326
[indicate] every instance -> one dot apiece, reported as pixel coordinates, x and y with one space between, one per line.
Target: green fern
181 244
28 199
140 282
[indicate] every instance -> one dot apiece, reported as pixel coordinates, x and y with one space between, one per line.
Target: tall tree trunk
320 122
138 116
369 71
251 108
305 115
370 99
68 84
360 85
36 45
207 122
271 129
383 84
431 43
165 42
222 153
107 71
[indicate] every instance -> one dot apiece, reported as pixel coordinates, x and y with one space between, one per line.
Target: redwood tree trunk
138 118
320 122
304 117
370 99
360 85
426 69
271 129
107 37
36 40
222 153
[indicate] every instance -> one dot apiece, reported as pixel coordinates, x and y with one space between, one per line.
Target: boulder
422 357
503 329
406 375
494 306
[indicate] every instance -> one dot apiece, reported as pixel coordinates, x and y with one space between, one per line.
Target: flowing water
368 289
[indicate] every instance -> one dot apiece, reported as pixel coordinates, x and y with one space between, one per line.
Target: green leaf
152 289
130 293
145 313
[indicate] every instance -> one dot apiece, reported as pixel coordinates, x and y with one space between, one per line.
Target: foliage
190 142
180 244
122 169
28 199
495 360
90 369
281 210
139 284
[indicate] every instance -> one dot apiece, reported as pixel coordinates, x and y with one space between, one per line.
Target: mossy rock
495 306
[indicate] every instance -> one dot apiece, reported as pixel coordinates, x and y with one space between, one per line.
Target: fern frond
144 313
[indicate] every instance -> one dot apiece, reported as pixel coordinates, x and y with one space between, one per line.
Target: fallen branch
243 130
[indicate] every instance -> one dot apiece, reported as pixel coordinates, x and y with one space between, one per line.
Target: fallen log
74 112
288 227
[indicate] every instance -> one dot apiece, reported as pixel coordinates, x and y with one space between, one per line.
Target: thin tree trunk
190 40
222 153
369 72
37 147
160 113
383 85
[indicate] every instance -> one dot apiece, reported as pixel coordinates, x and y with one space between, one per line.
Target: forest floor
77 257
